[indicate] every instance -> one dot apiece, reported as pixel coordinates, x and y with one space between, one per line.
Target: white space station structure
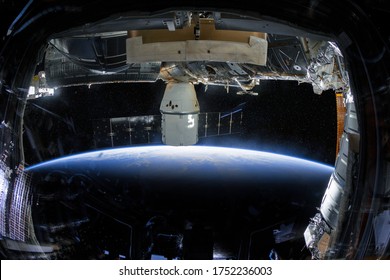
189 50
179 109
185 49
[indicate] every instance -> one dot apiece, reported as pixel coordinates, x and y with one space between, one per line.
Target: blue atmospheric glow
181 151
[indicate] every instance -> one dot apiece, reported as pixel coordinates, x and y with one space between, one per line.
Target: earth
191 164
230 192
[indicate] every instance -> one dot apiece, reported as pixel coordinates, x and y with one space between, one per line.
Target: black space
286 117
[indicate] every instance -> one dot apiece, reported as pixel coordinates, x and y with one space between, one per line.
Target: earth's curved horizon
181 151
232 192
